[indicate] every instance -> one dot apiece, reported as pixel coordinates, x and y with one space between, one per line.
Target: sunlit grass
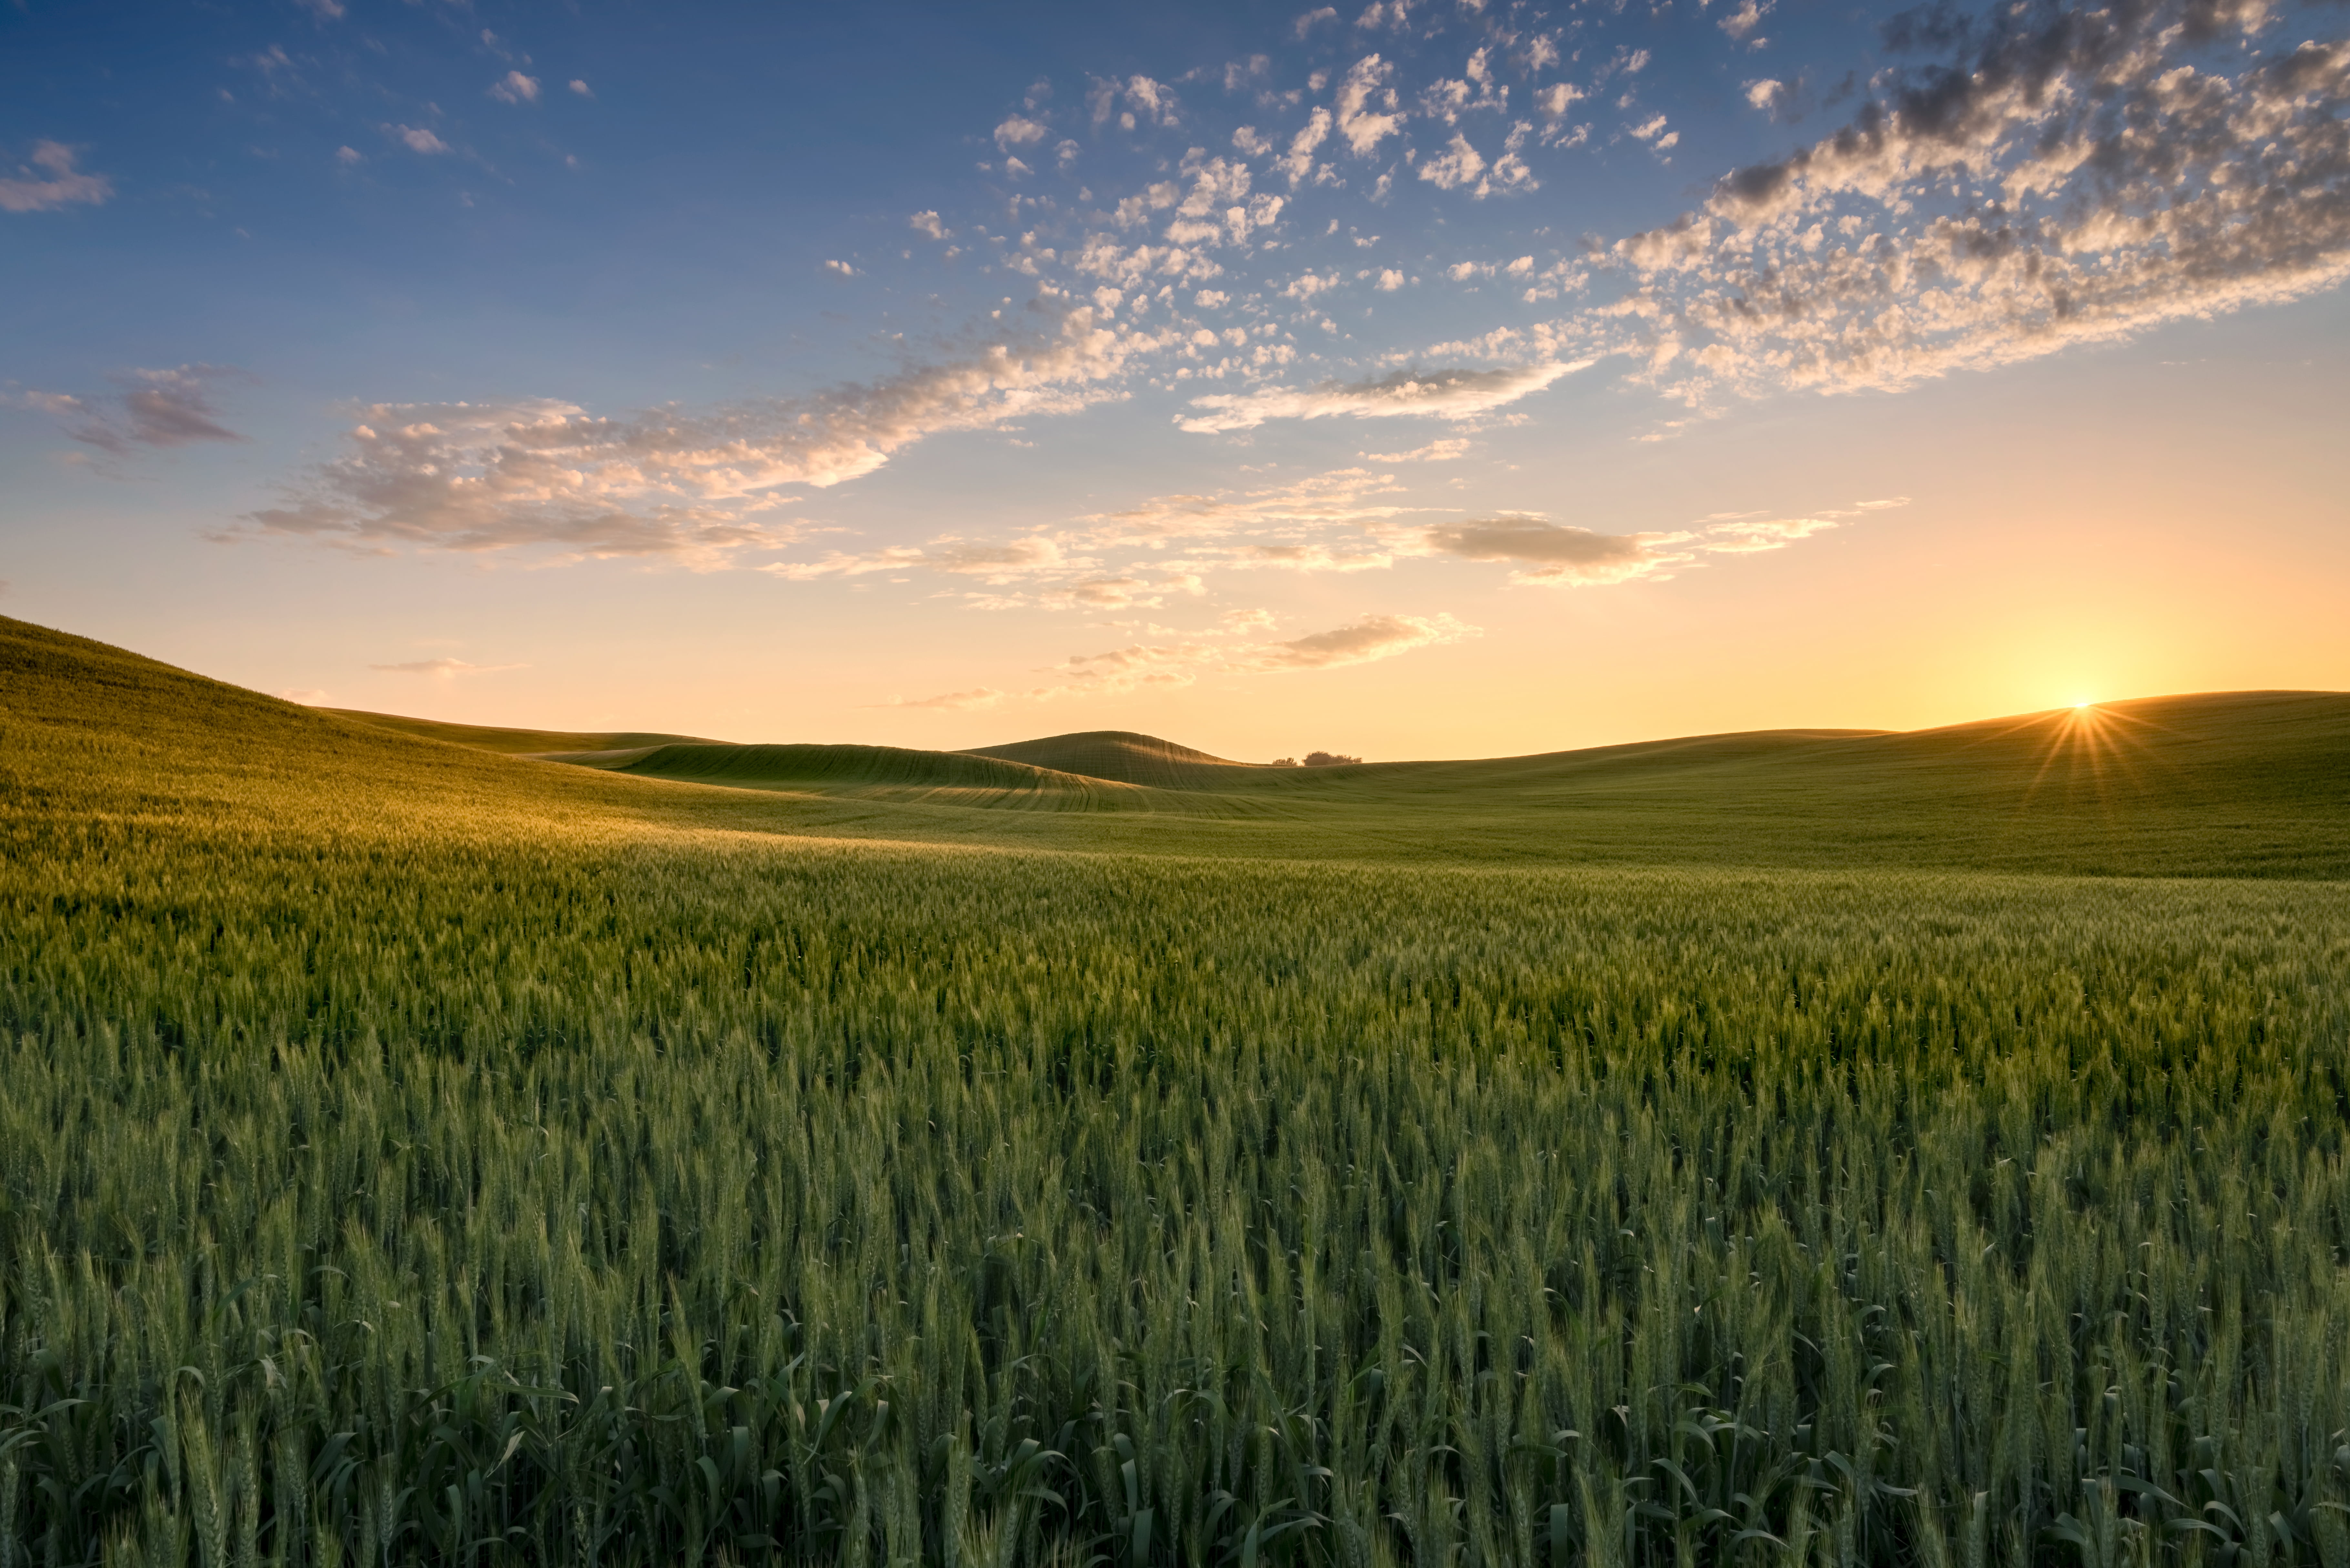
413 1157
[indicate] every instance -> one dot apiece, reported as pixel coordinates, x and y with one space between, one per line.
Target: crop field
412 1153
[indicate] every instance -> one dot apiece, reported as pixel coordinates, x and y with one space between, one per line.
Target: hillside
515 742
414 1153
2242 784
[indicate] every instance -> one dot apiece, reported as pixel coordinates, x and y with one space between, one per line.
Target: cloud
324 10
1442 394
1444 450
1742 22
1298 162
1562 554
1457 166
692 485
1019 131
1552 551
1309 20
512 88
1345 495
1360 98
1370 639
167 408
993 563
582 89
977 697
443 669
928 223
1180 663
840 268
417 139
2071 176
347 156
51 181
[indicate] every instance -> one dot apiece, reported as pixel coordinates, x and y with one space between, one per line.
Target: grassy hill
515 742
2239 784
2219 783
412 1152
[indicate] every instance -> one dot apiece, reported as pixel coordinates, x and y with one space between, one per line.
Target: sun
2084 702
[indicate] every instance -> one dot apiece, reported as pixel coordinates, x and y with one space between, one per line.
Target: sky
1404 378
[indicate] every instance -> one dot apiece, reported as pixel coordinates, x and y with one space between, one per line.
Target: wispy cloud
1451 448
164 408
1180 663
512 88
52 179
1369 639
693 485
1562 554
977 697
1437 394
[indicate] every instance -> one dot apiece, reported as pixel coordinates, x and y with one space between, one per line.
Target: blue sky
1420 379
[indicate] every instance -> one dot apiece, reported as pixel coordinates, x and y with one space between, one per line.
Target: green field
1780 1149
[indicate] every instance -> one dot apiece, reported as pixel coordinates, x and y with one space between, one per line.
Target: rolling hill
2231 783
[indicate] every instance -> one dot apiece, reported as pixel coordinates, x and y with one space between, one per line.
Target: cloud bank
2073 176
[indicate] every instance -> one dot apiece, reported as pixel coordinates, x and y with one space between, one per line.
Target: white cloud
840 269
928 223
1741 23
2051 188
690 485
347 156
1444 450
1460 164
581 88
51 181
1390 280
1361 98
513 87
993 563
1444 394
417 139
1298 162
1019 131
1307 22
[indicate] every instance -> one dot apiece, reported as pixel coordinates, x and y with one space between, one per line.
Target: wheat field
491 1163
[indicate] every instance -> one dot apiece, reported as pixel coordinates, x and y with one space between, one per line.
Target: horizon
1421 381
1818 730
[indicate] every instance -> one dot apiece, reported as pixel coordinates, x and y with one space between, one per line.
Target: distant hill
515 742
1119 754
2216 783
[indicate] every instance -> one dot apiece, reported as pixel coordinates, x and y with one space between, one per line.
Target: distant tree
1327 759
1284 762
